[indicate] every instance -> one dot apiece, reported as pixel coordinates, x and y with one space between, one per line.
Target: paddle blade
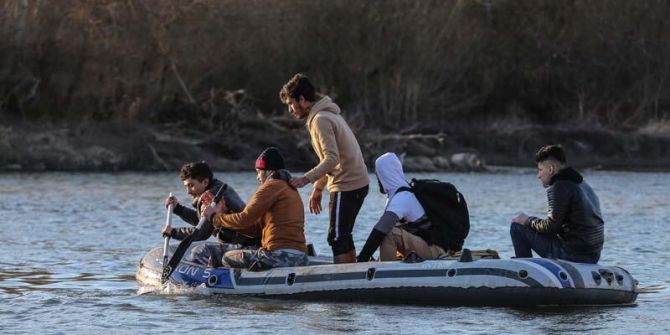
167 271
176 258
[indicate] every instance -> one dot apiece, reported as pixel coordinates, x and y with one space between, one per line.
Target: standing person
199 183
404 226
278 207
341 166
574 228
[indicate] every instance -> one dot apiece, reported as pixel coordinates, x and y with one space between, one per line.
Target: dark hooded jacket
573 216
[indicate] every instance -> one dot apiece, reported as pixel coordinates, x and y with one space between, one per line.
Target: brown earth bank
137 147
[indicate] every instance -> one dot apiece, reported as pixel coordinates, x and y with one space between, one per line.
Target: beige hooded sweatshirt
341 165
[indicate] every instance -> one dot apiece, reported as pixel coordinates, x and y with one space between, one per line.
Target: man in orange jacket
278 207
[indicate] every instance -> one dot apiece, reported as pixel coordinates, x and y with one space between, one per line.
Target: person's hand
315 201
171 201
299 182
221 205
219 208
206 198
166 231
521 218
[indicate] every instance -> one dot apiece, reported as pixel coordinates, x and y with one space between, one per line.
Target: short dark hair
196 170
298 86
553 151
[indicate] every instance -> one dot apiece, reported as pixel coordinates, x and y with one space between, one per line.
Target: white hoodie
403 204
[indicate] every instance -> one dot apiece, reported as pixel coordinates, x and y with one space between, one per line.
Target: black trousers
343 209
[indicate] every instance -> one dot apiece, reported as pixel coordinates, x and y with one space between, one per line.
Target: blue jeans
525 239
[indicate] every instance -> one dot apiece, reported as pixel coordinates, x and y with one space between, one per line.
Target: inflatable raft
482 282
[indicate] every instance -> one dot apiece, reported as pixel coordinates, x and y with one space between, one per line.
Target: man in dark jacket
574 228
198 179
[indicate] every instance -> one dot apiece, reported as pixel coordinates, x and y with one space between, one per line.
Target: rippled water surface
71 244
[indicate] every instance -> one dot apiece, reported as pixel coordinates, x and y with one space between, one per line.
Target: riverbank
136 147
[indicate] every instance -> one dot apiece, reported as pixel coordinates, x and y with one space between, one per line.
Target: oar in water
168 225
186 243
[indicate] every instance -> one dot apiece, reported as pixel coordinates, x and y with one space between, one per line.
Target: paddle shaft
168 225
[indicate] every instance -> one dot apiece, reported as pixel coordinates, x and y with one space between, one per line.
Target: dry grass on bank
390 64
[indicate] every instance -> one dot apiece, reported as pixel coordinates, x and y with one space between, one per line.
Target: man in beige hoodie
341 166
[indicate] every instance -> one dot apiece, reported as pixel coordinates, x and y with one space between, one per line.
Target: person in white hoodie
403 220
341 166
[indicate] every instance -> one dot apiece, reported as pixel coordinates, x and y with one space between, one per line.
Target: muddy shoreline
109 147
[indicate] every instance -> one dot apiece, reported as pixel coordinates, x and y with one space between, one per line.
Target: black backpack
446 209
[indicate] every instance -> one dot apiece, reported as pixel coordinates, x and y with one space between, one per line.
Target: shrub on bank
392 65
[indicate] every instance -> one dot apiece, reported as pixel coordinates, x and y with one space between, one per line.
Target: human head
196 176
389 171
268 161
299 95
550 160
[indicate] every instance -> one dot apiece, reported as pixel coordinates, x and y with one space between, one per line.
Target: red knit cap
270 159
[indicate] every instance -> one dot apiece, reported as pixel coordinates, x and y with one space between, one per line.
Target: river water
71 243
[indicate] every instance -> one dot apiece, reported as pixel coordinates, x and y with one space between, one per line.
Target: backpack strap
422 220
404 189
400 189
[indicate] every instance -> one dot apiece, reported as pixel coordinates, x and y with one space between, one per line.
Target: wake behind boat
482 282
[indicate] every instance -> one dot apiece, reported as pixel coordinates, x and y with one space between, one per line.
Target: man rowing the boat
200 184
574 227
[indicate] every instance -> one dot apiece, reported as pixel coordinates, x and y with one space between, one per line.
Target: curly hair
196 170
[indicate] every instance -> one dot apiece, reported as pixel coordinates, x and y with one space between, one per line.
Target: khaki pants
402 241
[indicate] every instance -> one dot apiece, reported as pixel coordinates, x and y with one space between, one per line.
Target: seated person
574 227
199 181
278 207
403 220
